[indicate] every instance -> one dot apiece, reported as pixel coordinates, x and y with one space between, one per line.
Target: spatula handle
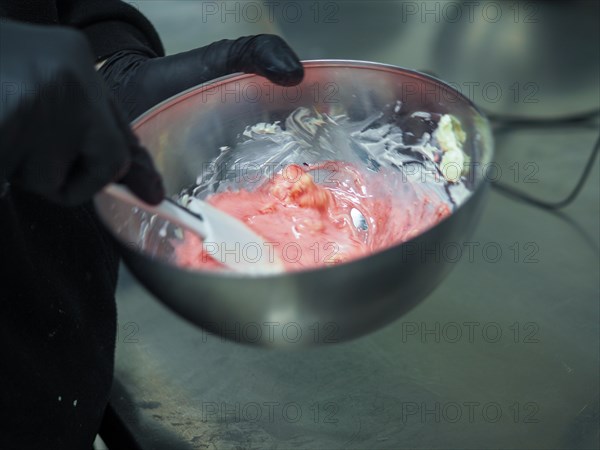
167 209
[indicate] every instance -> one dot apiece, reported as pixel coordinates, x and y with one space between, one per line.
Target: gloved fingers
45 174
72 168
266 55
110 152
141 177
103 156
82 183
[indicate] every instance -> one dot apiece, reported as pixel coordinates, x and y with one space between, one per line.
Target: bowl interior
185 133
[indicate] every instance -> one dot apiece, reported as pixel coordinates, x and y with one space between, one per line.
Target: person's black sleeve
110 25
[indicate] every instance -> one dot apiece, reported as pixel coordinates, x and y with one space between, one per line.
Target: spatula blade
225 238
233 244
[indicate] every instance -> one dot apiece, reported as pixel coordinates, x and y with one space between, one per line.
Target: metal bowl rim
347 63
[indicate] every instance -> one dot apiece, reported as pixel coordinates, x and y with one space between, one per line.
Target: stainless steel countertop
178 387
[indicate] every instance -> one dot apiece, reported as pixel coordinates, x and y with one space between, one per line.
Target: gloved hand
140 81
60 134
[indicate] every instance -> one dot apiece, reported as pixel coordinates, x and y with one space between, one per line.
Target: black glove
60 134
139 80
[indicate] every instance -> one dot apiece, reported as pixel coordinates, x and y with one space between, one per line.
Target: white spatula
224 238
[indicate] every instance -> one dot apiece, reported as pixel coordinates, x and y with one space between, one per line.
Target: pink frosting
304 212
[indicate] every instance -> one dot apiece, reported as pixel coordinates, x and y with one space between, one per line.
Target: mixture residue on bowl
323 190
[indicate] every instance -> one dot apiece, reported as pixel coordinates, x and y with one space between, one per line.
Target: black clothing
58 273
110 25
57 324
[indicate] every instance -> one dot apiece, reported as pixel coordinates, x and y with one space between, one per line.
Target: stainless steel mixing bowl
325 305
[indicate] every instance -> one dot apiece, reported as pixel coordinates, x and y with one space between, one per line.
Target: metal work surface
503 354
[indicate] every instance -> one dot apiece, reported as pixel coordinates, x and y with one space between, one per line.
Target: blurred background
529 57
534 67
